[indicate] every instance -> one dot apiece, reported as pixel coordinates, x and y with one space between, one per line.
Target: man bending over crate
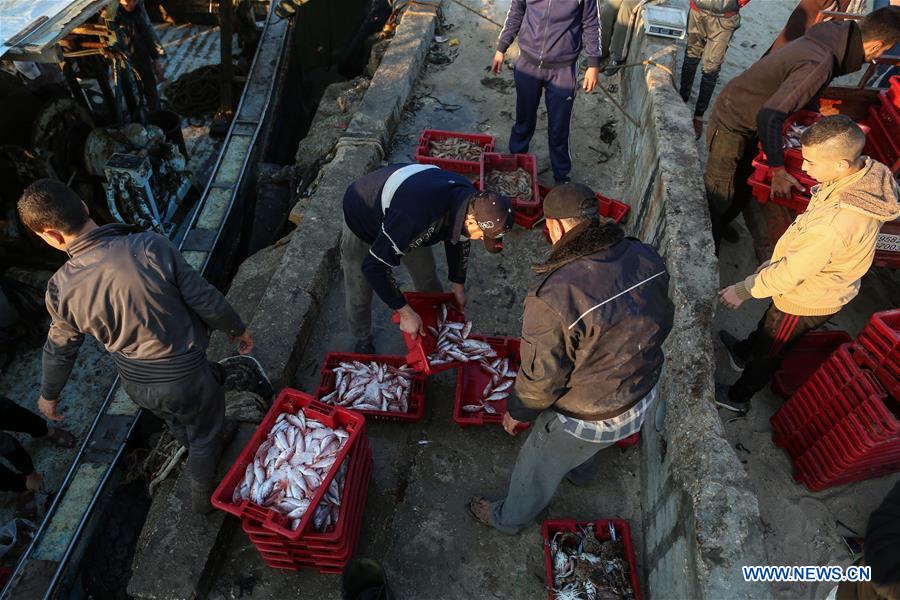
393 215
136 294
818 262
591 354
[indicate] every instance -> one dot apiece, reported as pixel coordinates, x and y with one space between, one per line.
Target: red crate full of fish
288 433
611 568
514 175
482 386
397 390
454 151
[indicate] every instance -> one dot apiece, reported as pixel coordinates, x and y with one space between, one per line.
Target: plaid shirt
611 430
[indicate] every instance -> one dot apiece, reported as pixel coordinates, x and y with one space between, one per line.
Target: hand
728 296
48 409
590 79
410 322
34 482
245 342
783 182
510 424
497 63
459 292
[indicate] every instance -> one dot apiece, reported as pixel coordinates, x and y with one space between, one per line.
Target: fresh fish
513 184
372 386
455 149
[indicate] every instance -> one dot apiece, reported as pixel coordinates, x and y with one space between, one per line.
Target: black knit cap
570 201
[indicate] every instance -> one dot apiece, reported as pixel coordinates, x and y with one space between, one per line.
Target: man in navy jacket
550 37
392 215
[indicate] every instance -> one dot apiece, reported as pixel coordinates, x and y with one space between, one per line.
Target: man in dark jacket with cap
756 103
393 215
144 47
591 354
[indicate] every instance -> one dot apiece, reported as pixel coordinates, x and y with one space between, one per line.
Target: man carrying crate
591 354
136 295
393 215
817 264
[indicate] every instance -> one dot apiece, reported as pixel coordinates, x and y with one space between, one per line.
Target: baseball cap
570 201
494 215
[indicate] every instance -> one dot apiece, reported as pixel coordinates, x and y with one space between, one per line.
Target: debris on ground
498 84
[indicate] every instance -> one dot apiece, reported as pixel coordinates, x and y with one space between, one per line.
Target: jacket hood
844 39
875 193
583 240
91 238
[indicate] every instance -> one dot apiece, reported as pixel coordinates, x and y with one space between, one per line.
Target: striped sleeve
593 46
511 24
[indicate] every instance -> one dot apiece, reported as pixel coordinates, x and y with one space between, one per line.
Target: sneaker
729 341
724 401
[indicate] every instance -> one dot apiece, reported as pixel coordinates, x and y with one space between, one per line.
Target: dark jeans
194 409
728 166
549 454
558 88
16 418
708 38
148 84
775 335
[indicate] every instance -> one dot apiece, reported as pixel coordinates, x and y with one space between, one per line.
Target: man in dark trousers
24 479
144 48
394 215
756 103
711 24
136 294
591 354
550 38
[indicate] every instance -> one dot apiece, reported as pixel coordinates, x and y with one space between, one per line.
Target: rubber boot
201 492
364 579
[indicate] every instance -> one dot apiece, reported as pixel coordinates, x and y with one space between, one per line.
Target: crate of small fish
454 151
380 387
590 560
289 463
483 385
514 176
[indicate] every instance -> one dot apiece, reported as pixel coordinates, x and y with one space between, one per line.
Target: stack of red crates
843 424
883 143
281 547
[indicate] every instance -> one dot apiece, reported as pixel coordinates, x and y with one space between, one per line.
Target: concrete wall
701 517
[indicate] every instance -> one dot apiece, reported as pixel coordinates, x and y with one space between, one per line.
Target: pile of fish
792 135
289 467
584 568
503 376
455 149
453 343
371 386
513 184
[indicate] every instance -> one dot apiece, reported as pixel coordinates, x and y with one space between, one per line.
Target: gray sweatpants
358 292
194 409
549 454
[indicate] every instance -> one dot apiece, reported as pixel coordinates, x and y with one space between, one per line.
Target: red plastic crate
491 161
887 248
416 390
606 207
424 157
881 336
289 400
887 373
889 114
793 157
601 530
426 306
808 353
884 140
892 93
471 379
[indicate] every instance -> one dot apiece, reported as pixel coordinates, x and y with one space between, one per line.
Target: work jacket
421 205
134 293
720 8
552 33
593 328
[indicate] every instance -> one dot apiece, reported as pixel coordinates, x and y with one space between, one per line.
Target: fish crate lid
664 21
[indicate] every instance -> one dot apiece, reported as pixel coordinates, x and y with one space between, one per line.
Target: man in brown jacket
818 263
756 103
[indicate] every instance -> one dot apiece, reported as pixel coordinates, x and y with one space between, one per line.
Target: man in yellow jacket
818 262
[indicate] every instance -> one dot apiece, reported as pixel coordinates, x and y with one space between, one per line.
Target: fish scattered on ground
503 376
584 568
453 343
792 135
289 467
455 149
514 184
371 386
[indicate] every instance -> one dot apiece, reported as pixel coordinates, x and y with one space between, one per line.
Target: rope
196 93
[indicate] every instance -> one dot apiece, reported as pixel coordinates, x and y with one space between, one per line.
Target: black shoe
724 401
364 347
364 579
613 67
729 341
731 235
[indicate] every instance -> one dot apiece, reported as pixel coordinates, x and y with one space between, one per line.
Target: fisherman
711 24
615 22
591 354
757 102
136 294
551 36
143 47
25 479
818 263
393 214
